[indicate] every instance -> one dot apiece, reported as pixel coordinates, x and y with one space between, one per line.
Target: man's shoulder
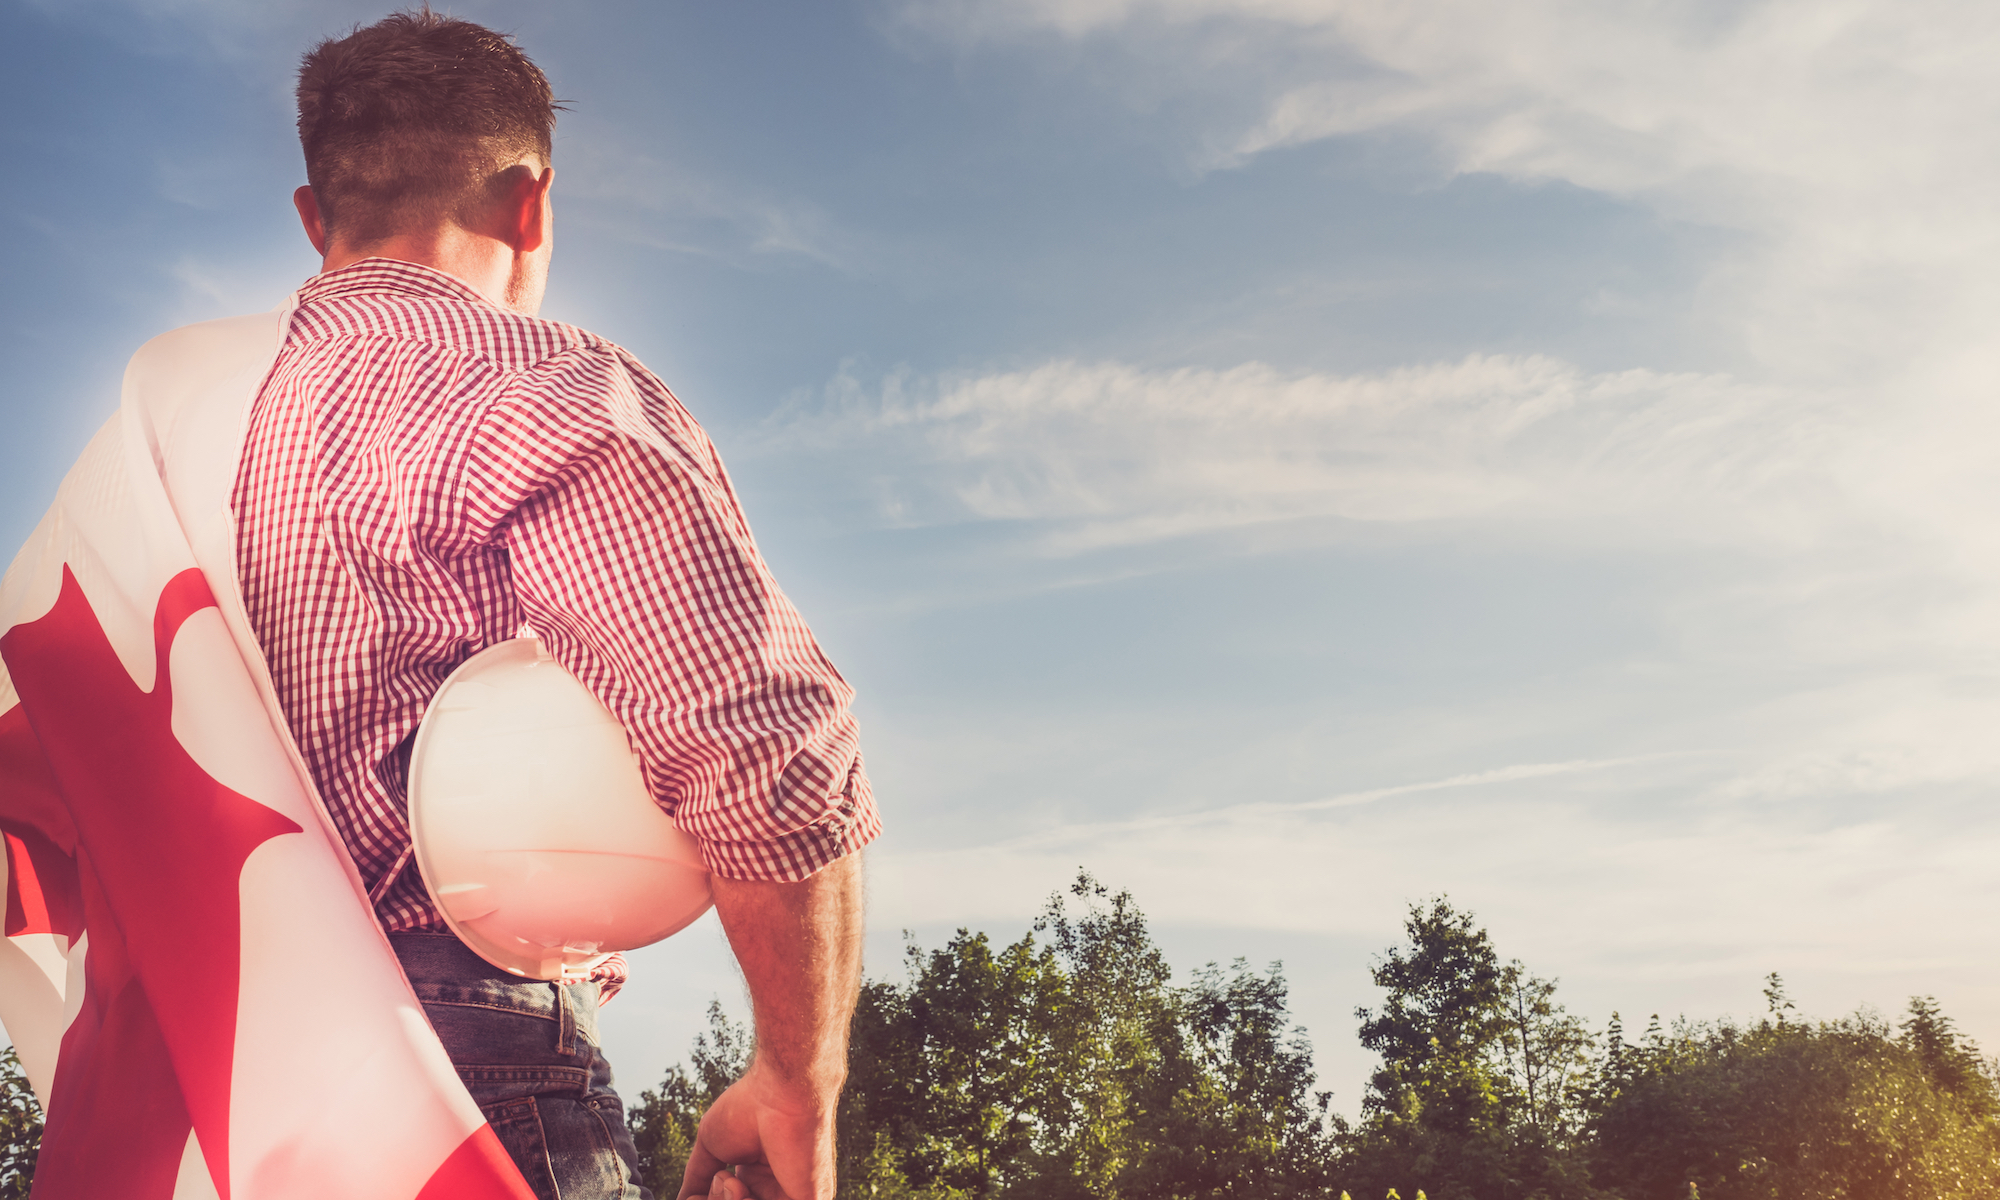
431 310
446 327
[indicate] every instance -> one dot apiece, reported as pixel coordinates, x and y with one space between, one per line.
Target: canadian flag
191 973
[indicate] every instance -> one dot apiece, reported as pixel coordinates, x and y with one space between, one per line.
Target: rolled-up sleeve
634 564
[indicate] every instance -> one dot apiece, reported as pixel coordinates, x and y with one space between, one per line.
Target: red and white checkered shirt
425 474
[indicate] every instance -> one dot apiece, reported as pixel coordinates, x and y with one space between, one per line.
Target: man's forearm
800 948
799 945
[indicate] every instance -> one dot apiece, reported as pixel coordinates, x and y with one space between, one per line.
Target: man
430 469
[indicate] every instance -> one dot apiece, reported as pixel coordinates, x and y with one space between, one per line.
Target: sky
1292 458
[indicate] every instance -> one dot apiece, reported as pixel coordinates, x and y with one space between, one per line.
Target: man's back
429 470
427 473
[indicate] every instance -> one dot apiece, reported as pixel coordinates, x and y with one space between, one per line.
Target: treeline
1488 1088
1068 1064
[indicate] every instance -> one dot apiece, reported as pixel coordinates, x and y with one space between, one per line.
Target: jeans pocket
611 1111
518 1125
583 1151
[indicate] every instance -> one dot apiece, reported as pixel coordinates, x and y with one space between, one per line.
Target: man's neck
505 259
484 264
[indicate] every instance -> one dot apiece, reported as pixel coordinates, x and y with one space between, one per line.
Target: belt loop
565 1020
390 876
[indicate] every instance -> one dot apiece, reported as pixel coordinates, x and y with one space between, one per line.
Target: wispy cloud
1850 137
1844 454
1707 891
1846 142
1112 453
1095 833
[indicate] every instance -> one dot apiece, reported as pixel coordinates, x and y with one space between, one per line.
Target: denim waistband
444 970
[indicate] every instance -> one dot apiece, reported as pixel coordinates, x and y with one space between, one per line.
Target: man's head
420 125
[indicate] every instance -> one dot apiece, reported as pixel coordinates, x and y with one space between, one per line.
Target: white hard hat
532 823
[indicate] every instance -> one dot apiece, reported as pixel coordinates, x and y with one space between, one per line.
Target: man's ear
521 213
308 206
524 212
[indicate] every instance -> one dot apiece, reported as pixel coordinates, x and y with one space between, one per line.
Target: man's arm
799 945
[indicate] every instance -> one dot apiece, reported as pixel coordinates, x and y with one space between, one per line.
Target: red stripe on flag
479 1169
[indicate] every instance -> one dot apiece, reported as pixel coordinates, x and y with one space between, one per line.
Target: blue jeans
528 1053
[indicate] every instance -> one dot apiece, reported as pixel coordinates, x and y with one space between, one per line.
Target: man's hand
799 945
754 1127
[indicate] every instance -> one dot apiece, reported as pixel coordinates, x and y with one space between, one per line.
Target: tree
1548 1055
20 1128
1953 1063
1548 1060
1836 1110
1120 1041
1242 1114
1485 1080
1443 1013
983 1022
1437 1109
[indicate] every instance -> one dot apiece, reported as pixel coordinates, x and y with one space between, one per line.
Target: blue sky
1291 457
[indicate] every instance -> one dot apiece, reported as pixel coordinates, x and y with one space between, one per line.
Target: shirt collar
392 275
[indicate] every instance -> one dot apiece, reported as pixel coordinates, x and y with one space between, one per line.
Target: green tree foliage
1489 1090
952 1075
1836 1110
1552 1074
1951 1062
1064 1064
1485 1079
1068 1064
20 1129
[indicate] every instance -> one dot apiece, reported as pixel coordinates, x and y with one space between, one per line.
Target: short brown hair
407 122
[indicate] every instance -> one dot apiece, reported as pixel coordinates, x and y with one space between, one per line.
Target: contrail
1069 833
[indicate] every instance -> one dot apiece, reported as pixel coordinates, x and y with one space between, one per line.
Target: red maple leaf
159 852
